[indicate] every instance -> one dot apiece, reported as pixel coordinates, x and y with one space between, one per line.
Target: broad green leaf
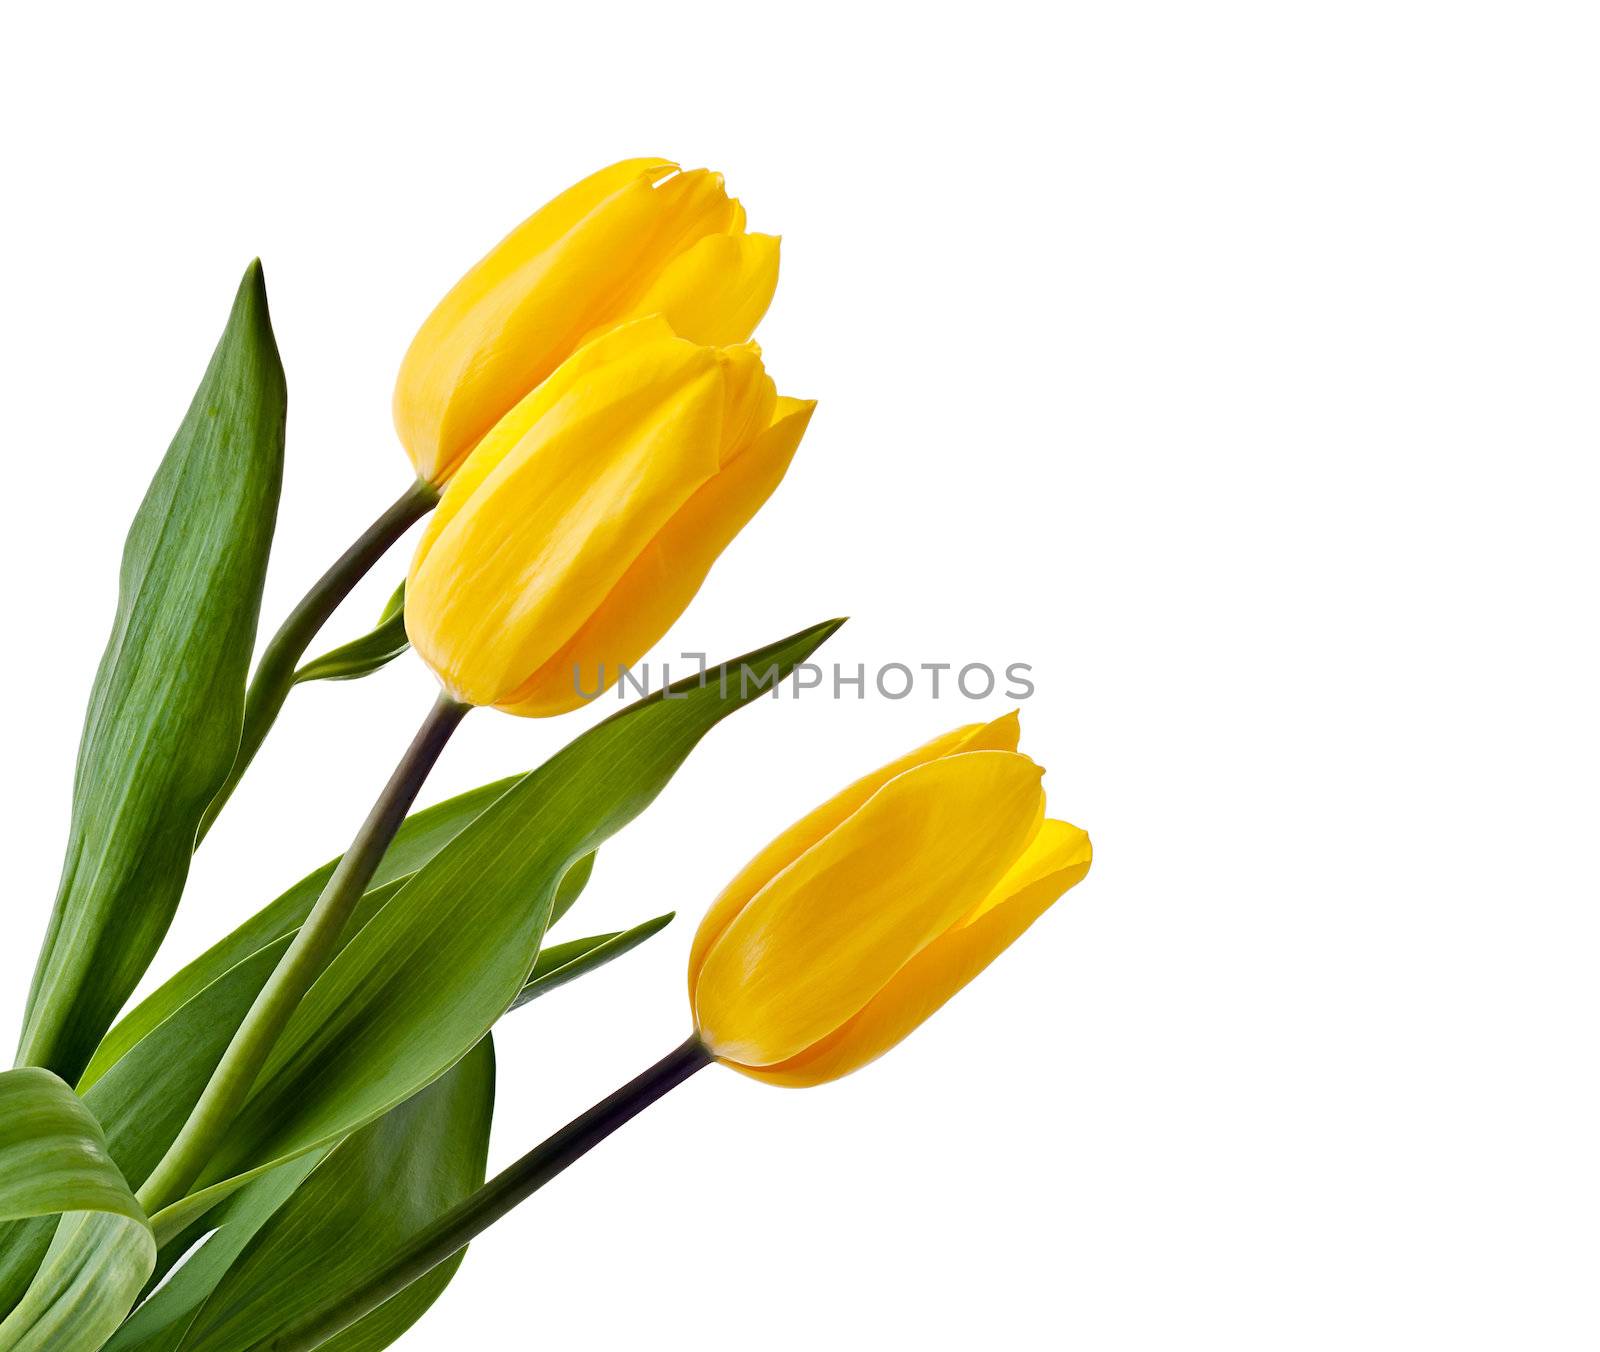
429 974
163 1051
149 1073
53 1162
282 1236
418 840
367 654
436 1141
164 715
144 1097
161 1320
374 1191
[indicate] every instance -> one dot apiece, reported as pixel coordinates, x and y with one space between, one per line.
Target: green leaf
294 1233
152 1067
145 1097
421 837
23 1244
372 1193
149 1072
53 1162
160 1321
333 1202
561 963
164 715
367 654
429 974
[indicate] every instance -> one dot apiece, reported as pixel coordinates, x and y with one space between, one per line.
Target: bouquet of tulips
300 1115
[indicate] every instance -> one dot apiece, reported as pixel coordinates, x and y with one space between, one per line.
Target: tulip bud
863 918
636 239
582 525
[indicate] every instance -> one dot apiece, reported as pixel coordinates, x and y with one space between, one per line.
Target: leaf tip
251 298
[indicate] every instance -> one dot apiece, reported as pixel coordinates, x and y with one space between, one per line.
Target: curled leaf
54 1162
362 656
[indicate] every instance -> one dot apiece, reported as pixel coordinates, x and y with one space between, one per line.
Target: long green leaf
424 980
374 1191
295 1231
144 1096
149 1071
53 1162
270 1288
160 1321
146 1093
418 840
164 715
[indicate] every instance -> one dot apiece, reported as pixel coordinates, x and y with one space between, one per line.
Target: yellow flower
863 918
585 521
636 239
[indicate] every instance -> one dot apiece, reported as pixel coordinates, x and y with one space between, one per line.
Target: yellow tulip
636 239
863 918
583 524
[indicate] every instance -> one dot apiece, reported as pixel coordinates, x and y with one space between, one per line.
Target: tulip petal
575 267
1057 859
531 541
452 378
1003 734
692 204
666 575
507 435
827 934
718 290
751 402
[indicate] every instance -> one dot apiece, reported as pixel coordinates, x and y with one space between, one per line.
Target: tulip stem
475 1214
274 674
303 961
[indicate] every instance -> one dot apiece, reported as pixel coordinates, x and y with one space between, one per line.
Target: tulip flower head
583 524
639 238
863 918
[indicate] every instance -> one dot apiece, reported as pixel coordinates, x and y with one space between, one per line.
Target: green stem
312 949
274 674
469 1218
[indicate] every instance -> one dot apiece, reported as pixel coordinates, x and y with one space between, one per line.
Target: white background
1232 364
